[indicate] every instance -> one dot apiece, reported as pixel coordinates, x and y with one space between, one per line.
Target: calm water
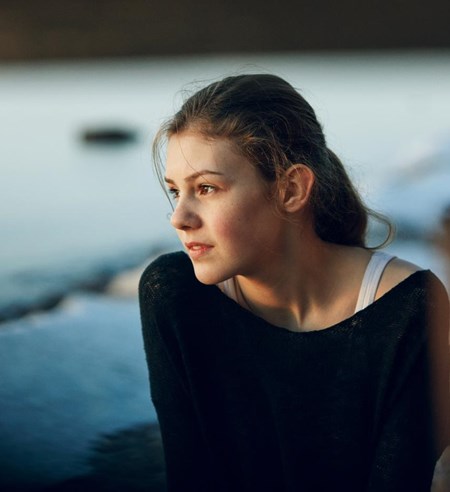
67 208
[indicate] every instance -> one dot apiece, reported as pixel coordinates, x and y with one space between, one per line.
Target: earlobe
298 183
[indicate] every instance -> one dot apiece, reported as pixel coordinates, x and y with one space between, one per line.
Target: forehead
188 152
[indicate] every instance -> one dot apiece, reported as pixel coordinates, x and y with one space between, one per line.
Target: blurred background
83 88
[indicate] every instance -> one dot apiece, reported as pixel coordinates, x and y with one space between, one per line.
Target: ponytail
340 215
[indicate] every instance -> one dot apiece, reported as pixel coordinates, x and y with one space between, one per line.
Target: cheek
230 229
246 223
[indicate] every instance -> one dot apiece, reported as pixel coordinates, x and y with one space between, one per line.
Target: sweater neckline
345 324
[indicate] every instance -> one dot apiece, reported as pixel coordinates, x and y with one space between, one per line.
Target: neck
307 288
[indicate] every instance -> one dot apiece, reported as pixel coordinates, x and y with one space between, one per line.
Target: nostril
176 221
183 218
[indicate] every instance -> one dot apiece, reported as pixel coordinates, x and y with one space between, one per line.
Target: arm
415 427
186 457
439 355
404 455
440 370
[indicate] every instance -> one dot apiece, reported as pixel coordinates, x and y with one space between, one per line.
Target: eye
174 193
206 189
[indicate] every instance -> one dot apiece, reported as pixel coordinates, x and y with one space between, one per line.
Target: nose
184 217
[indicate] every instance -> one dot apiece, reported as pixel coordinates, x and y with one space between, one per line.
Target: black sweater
247 406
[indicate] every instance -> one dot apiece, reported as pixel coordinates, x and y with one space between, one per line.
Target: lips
196 250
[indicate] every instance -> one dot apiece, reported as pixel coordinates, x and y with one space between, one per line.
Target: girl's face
223 214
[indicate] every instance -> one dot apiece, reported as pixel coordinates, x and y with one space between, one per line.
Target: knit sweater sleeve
161 298
412 422
404 456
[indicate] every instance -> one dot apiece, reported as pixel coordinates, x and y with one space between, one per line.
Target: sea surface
72 211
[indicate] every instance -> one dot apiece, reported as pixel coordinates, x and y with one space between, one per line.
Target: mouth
196 250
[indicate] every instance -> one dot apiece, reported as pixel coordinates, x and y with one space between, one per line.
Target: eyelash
173 192
203 189
206 189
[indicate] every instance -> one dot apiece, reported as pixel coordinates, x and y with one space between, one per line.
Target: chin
209 276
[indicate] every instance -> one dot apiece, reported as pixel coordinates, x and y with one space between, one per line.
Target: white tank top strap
228 288
231 289
371 279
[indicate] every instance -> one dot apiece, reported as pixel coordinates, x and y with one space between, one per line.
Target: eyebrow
195 175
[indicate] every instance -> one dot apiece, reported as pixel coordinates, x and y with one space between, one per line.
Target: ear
298 182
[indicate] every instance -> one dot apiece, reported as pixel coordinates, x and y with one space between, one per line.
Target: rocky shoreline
115 277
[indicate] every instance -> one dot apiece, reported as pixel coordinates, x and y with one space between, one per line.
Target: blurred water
67 378
66 207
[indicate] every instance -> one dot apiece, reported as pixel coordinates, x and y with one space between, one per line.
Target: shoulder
166 273
165 264
398 271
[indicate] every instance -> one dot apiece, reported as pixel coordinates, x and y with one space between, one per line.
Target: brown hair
274 127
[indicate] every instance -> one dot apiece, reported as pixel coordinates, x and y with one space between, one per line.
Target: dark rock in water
109 136
17 310
130 460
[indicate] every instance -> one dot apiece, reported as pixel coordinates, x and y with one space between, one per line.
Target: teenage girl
284 353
